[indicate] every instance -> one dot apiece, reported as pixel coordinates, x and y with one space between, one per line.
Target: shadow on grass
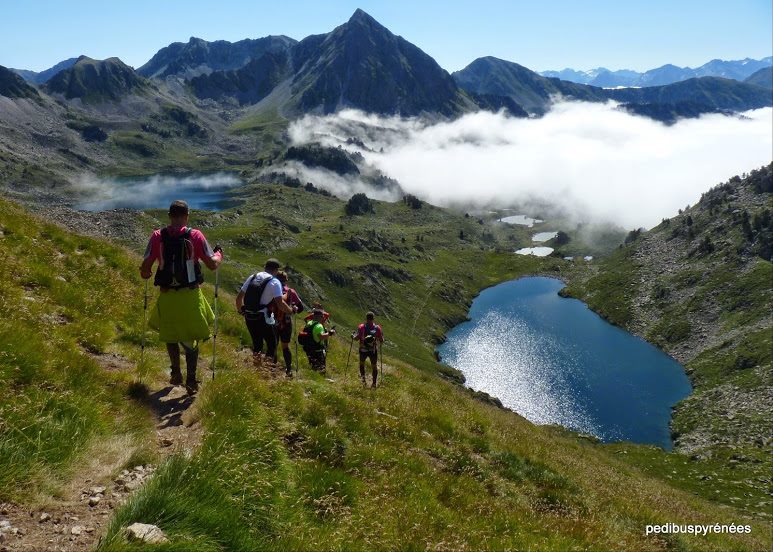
168 404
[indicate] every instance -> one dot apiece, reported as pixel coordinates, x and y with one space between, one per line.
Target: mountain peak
96 80
339 69
362 17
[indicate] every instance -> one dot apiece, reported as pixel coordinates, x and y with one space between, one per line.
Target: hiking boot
191 386
364 383
289 374
176 378
373 385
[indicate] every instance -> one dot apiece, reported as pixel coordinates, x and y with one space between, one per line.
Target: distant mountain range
361 64
667 74
688 98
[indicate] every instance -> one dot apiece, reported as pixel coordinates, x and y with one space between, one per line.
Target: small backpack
306 337
180 267
369 341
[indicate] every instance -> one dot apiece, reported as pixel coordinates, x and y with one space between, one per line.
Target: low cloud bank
343 186
590 160
201 191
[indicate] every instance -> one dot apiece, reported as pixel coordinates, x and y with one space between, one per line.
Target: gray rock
76 530
132 485
97 491
45 516
146 533
94 500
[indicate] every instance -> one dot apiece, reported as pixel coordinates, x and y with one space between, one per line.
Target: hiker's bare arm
214 261
282 305
145 268
239 301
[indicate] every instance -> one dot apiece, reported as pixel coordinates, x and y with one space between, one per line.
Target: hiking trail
77 514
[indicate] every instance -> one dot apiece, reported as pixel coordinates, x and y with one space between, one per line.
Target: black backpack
176 251
306 338
255 289
369 340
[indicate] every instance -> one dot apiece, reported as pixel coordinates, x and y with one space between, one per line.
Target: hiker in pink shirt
285 320
370 336
181 315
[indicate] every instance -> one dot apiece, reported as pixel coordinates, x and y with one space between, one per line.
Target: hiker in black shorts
258 300
285 321
370 337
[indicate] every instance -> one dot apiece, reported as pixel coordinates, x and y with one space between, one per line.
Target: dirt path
80 514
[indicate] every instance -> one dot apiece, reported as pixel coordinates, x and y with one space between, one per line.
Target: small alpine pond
554 361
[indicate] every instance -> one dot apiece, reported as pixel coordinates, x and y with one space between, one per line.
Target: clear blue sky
582 34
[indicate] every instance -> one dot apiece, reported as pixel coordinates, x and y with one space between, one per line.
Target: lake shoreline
624 340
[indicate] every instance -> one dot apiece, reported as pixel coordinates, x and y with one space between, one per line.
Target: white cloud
589 159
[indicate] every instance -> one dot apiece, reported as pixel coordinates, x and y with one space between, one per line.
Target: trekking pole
381 359
144 324
214 335
292 333
351 344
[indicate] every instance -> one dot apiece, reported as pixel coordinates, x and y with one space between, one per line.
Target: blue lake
554 361
212 192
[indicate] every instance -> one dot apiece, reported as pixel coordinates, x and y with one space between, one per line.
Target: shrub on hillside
359 204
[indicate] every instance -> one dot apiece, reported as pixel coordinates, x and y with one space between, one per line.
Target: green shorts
182 315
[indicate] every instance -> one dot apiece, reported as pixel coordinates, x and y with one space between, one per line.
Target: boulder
146 533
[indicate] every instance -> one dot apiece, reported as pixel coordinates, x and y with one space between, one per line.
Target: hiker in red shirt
370 337
181 314
285 320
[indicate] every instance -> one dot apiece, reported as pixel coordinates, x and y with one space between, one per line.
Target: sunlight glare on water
500 349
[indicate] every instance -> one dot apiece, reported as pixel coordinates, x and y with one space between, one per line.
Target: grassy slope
306 464
64 299
711 311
